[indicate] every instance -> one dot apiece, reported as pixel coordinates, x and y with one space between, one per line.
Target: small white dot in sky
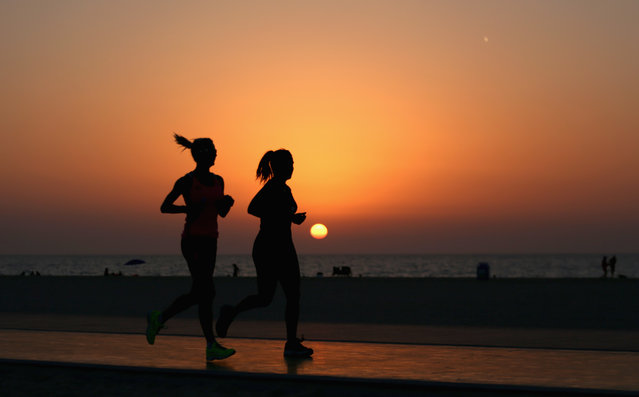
485 39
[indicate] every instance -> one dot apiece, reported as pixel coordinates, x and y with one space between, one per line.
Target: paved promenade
424 368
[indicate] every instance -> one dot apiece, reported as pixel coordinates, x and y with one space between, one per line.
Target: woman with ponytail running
203 194
273 251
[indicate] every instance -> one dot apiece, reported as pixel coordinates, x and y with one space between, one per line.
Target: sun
319 231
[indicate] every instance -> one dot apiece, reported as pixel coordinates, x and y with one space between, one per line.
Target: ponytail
274 162
264 171
202 149
182 141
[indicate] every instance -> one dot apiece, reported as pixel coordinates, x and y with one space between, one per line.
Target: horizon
137 255
415 126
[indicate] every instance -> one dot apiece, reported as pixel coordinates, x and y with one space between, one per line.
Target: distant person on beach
236 270
274 254
203 194
612 263
605 264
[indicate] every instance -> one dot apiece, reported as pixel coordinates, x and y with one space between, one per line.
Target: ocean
412 266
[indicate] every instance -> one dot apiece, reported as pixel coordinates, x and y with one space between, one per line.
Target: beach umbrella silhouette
134 262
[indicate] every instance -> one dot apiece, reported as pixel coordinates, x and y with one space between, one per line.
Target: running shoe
224 321
295 348
153 325
218 352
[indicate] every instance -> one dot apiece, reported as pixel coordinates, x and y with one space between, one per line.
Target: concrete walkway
529 370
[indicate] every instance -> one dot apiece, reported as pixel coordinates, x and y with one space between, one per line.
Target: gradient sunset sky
416 126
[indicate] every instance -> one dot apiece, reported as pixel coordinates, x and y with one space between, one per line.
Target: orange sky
416 126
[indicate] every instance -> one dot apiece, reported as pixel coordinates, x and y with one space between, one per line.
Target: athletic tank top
204 224
274 204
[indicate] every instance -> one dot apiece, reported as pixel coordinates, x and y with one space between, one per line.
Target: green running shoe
153 325
218 352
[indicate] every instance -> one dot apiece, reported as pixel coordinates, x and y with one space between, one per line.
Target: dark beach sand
553 313
601 304
571 313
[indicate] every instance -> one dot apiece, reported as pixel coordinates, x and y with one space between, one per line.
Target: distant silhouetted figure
604 266
612 263
483 271
203 194
106 271
274 254
236 270
342 271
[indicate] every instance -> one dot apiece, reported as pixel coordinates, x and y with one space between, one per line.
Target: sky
415 126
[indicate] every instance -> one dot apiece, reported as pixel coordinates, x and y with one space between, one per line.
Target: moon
319 231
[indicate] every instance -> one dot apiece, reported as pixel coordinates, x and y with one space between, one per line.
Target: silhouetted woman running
203 194
273 251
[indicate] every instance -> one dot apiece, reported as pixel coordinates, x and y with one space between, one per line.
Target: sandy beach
608 304
519 312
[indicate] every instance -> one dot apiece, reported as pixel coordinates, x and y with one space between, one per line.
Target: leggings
199 252
276 261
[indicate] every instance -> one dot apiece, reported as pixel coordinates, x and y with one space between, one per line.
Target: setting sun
319 231
428 118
